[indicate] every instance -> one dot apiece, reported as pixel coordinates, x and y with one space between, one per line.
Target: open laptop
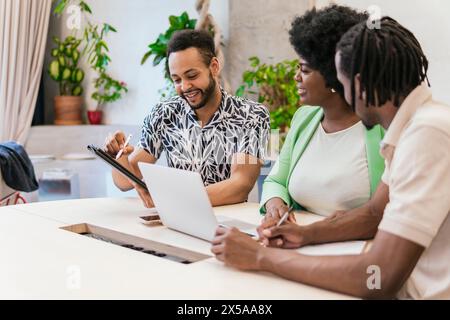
183 204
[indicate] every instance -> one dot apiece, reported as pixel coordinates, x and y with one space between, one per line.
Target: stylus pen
119 154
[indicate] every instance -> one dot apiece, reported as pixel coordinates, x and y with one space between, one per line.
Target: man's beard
207 94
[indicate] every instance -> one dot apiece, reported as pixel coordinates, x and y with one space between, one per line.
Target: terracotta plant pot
68 110
95 117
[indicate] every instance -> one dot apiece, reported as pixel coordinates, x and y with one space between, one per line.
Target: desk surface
40 260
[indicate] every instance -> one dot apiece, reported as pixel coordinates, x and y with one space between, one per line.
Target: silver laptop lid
181 200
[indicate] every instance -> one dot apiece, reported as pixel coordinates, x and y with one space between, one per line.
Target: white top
417 153
332 174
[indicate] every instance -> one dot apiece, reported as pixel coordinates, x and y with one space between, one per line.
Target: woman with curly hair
330 161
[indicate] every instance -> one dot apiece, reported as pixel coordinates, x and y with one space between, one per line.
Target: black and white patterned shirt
238 126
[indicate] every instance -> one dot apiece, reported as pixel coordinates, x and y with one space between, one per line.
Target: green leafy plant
64 66
274 85
108 89
95 47
158 48
60 5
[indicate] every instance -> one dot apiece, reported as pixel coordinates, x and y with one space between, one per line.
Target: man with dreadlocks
384 74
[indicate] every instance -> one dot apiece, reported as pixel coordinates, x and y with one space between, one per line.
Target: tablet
112 162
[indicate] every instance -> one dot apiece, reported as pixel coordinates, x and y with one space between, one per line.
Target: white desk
39 259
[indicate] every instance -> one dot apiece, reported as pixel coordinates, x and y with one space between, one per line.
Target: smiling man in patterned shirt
203 129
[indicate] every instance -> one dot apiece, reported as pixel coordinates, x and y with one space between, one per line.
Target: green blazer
303 125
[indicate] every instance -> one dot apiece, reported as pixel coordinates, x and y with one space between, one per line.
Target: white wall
260 28
138 22
428 20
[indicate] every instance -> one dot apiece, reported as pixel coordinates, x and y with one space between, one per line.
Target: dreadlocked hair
389 60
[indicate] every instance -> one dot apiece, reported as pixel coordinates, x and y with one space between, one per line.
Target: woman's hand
275 209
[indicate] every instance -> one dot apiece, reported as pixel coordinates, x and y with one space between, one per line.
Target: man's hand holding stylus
116 142
113 144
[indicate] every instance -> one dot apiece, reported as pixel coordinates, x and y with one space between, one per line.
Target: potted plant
158 48
275 88
64 70
95 50
107 90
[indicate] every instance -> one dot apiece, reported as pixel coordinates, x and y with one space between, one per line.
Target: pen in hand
119 154
285 216
265 242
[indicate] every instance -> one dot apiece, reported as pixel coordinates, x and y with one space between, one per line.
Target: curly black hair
202 40
315 35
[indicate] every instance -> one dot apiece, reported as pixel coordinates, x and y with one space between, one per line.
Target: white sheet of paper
334 249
